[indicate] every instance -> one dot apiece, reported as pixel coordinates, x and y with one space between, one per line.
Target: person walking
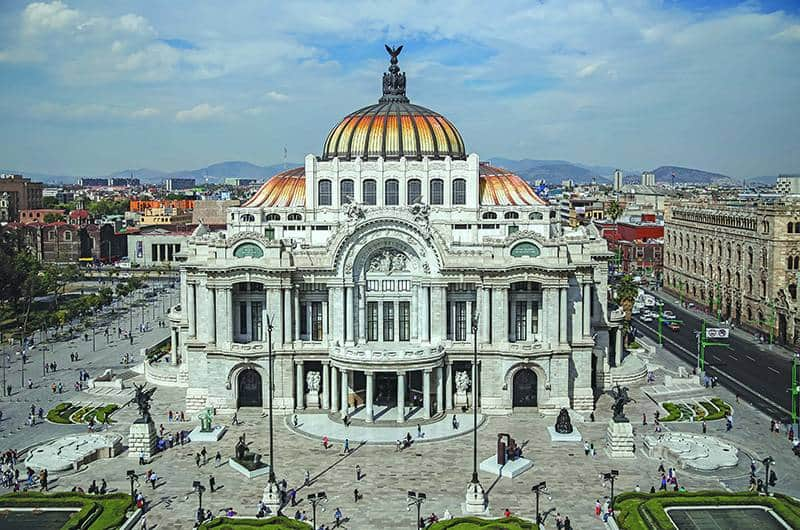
355 495
346 445
337 516
153 479
705 427
217 459
358 472
306 478
204 454
197 459
212 483
455 423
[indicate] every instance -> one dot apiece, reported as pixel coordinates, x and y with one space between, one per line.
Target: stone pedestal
475 502
214 435
461 400
312 400
619 440
142 439
511 469
555 436
272 497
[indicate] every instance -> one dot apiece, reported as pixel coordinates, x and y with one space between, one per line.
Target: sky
92 87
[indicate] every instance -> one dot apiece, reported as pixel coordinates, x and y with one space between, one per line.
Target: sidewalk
738 333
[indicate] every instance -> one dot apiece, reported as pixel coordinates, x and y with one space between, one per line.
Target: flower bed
97 512
716 409
67 413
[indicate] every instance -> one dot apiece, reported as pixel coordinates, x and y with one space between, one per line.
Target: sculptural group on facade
388 261
462 381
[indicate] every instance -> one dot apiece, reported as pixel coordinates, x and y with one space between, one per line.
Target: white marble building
371 261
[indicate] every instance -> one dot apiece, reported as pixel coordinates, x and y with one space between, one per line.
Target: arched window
294 217
793 291
391 192
511 215
414 191
437 191
790 228
67 236
273 217
763 288
797 227
459 191
750 284
247 218
346 193
324 196
749 313
369 192
535 216
490 215
749 256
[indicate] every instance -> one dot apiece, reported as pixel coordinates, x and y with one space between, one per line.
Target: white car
646 318
670 315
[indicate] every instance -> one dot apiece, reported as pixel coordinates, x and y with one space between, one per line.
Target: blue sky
94 87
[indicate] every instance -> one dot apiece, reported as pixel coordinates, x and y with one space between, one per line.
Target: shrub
271 523
103 412
673 412
55 414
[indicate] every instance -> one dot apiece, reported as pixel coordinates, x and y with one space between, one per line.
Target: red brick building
637 243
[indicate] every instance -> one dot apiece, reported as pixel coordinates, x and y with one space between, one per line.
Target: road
757 374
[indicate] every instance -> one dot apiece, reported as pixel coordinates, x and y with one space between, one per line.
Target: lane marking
750 358
774 370
733 357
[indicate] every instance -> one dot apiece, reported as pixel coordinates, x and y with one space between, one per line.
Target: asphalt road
757 374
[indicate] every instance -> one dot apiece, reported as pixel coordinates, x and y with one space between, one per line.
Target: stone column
587 308
562 316
212 314
325 320
286 321
345 393
173 350
485 324
362 312
414 317
439 390
618 347
424 313
192 309
300 385
499 315
470 312
349 315
228 316
326 386
449 387
370 396
438 313
426 394
334 389
513 321
296 296
401 397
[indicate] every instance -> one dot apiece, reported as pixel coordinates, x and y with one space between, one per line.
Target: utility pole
795 388
702 343
662 319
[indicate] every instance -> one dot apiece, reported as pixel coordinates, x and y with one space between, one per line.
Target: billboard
717 333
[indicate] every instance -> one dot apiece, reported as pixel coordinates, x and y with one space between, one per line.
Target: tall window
243 318
405 321
388 321
521 321
256 333
303 319
391 193
459 191
369 193
437 191
414 191
316 320
461 321
325 198
346 193
535 318
372 321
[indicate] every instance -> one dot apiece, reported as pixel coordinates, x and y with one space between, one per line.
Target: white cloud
88 112
276 96
200 112
589 69
42 16
147 112
792 34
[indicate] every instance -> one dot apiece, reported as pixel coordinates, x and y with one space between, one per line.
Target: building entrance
249 387
525 388
386 389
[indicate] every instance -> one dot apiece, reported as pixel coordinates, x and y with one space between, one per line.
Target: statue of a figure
354 211
312 380
421 212
621 398
142 399
240 449
462 381
563 423
205 420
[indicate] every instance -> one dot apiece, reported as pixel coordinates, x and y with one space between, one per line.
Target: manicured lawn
271 523
645 511
98 512
475 523
67 413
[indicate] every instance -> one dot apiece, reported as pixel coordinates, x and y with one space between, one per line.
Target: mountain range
552 171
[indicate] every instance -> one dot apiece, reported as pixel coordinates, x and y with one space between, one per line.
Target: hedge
271 523
103 412
56 414
673 410
97 512
645 511
473 523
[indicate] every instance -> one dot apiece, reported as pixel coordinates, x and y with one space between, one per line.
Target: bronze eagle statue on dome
393 52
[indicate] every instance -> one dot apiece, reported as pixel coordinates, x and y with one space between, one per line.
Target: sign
525 249
717 333
248 250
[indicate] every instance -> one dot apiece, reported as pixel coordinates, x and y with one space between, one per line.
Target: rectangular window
243 318
269 233
449 323
461 321
403 285
388 321
373 285
405 321
521 321
372 321
255 318
153 252
316 321
303 319
388 285
369 193
534 318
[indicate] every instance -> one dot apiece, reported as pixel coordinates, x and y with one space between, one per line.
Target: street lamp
415 498
476 496
767 462
611 476
538 489
271 497
199 488
314 499
132 477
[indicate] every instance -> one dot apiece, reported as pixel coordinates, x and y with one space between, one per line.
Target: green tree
108 207
614 210
626 293
49 202
53 217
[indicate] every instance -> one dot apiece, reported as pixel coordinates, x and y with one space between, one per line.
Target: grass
703 410
67 413
271 523
645 511
104 412
58 414
97 512
474 523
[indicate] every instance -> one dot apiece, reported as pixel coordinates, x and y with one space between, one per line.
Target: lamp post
767 462
132 477
199 488
795 390
271 497
44 353
538 489
314 499
611 476
476 496
415 499
92 320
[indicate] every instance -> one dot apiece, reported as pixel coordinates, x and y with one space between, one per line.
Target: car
669 314
674 326
646 318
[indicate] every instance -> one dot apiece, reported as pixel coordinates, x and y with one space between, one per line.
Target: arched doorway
525 388
249 386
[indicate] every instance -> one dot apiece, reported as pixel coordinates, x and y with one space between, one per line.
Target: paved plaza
440 468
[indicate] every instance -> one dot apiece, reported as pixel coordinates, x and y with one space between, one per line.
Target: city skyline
637 86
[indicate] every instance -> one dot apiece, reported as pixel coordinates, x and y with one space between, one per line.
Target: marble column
415 320
334 389
228 315
362 313
424 312
562 316
349 315
286 321
439 390
485 323
212 312
370 396
449 387
173 346
192 309
618 347
300 386
296 307
513 334
587 308
345 393
426 394
325 320
326 386
499 321
401 397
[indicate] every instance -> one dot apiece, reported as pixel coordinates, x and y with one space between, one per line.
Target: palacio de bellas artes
367 277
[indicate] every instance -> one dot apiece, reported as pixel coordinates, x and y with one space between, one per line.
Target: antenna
285 154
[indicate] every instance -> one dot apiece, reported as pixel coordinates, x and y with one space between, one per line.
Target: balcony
383 356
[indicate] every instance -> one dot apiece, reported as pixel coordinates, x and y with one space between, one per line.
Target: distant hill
689 175
554 171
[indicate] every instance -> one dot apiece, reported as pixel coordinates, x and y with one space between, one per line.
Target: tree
614 210
626 294
49 202
108 207
53 217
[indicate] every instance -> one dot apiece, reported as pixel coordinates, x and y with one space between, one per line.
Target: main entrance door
249 385
386 389
525 387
